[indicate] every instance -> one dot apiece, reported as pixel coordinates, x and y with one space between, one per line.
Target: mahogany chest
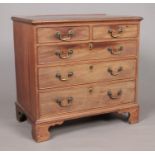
73 66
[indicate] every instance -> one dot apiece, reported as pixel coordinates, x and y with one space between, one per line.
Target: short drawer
76 52
62 34
115 31
85 73
86 97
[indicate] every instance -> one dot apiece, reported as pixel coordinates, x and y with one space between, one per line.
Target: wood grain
99 61
83 73
48 34
133 114
128 31
45 19
83 99
40 132
83 52
24 45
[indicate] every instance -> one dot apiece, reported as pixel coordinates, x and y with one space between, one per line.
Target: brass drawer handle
115 73
64 38
115 33
64 102
114 96
62 54
115 51
59 76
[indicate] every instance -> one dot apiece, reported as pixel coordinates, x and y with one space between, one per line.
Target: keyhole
91 67
90 90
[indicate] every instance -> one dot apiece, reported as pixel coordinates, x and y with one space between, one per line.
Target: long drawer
67 75
76 52
86 97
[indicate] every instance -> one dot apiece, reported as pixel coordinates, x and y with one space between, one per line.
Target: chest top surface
39 19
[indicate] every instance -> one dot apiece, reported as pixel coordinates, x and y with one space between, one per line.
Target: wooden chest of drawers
74 66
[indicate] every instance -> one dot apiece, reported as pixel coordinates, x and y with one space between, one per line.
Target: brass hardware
115 73
65 38
91 67
112 96
90 46
61 54
116 51
115 33
59 76
90 90
64 102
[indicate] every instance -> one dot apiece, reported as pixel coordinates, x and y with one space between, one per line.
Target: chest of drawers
74 66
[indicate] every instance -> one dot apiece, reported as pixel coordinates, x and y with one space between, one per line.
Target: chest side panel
25 67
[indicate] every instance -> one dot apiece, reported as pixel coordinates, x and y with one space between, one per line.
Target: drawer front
86 97
62 34
90 51
85 73
114 31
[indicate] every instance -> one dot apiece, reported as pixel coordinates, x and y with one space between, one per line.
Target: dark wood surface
73 18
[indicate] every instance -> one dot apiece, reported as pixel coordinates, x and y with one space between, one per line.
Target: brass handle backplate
64 102
115 72
63 55
114 96
68 37
115 33
115 51
59 76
